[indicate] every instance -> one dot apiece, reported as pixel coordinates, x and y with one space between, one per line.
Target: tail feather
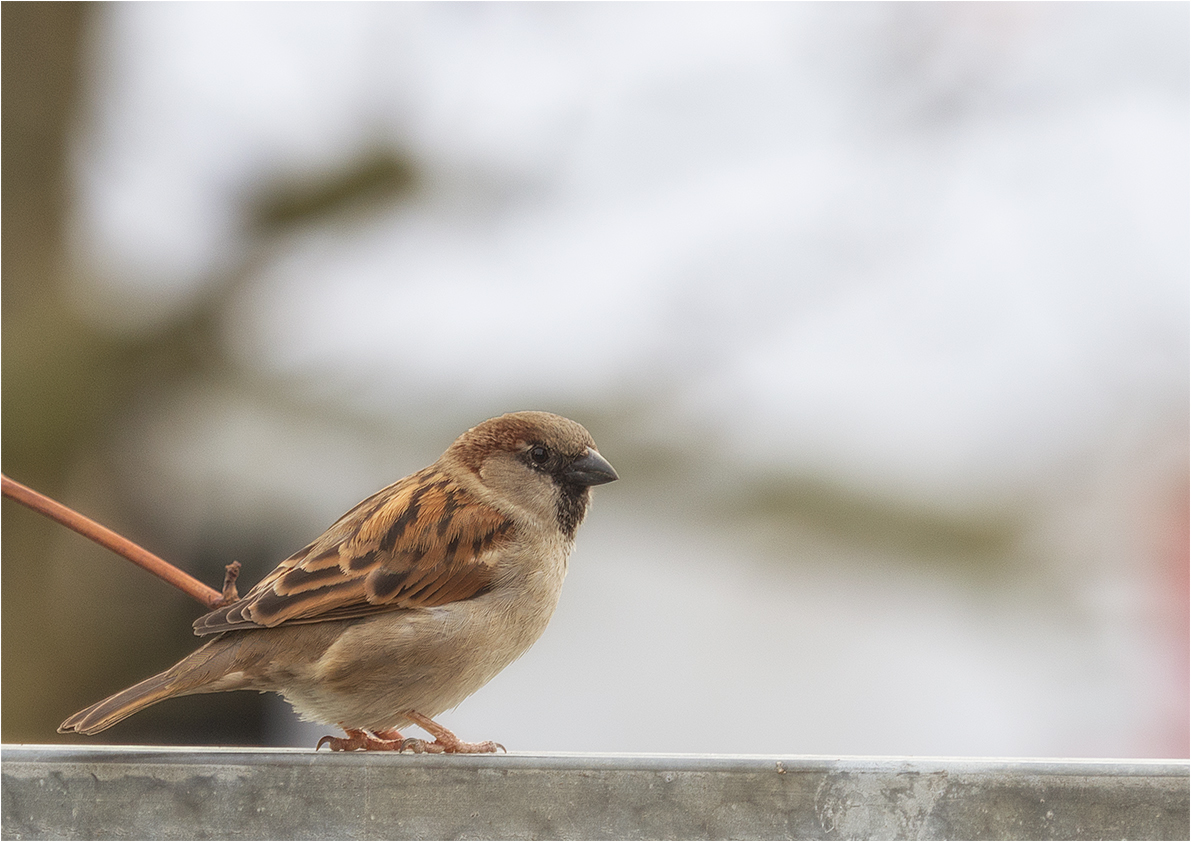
203 671
111 710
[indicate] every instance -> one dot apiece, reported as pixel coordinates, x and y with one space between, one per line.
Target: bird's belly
426 660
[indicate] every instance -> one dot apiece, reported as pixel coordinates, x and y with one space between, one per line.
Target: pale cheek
529 491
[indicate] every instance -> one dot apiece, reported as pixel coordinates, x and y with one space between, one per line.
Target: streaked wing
421 542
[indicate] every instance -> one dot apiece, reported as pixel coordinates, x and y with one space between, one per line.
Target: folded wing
421 542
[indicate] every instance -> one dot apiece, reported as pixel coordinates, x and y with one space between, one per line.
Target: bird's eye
539 455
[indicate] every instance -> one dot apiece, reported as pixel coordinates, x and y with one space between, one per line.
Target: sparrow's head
539 462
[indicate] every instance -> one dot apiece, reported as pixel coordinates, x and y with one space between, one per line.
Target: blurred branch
118 544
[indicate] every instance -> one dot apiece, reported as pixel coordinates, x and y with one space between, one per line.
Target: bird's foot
444 741
391 740
357 740
453 746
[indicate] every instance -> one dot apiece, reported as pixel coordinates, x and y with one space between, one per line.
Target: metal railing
110 792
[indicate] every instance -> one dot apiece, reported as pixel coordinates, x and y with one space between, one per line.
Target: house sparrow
411 601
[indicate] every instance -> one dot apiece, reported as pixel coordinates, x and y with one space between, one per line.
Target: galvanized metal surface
119 792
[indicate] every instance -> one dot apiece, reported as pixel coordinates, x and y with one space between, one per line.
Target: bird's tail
196 673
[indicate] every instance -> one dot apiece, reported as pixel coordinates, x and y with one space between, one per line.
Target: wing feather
421 542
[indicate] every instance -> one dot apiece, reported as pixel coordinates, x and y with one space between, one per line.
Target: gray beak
589 469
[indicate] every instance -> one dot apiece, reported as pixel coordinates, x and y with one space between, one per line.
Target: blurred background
880 311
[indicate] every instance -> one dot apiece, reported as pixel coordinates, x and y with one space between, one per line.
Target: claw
444 741
390 740
418 746
356 740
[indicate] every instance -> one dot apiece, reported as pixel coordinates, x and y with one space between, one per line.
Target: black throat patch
572 506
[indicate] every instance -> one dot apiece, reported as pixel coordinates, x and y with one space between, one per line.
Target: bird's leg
356 739
444 741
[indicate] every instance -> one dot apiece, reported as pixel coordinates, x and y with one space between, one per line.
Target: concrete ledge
121 792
